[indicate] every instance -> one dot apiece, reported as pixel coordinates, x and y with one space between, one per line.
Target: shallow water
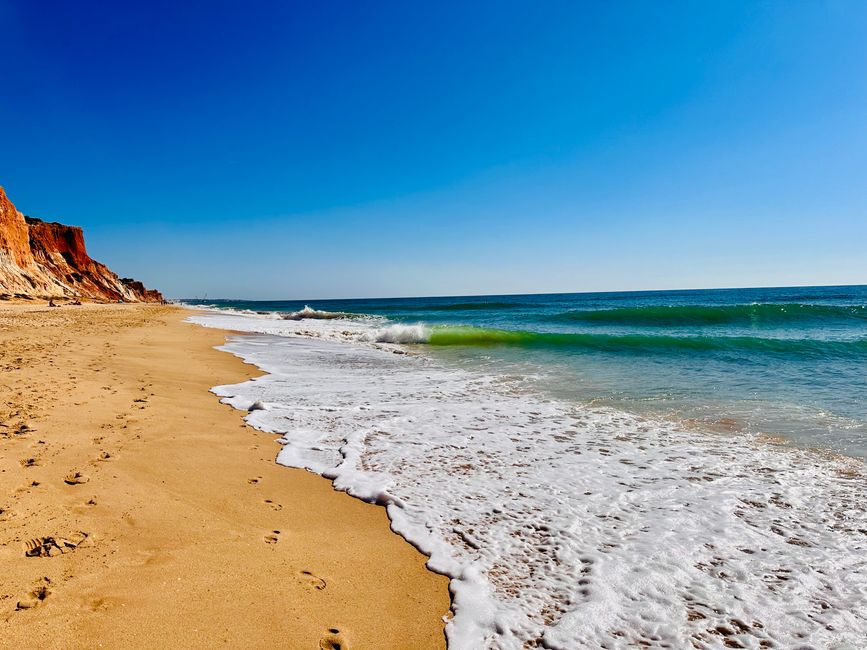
790 362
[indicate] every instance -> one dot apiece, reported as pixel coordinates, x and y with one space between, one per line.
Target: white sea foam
310 312
230 310
561 525
399 333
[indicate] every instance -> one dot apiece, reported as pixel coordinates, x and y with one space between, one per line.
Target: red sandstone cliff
49 260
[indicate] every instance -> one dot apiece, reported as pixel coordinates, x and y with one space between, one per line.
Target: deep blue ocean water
788 362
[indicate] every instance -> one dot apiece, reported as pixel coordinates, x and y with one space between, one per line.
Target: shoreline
722 425
168 535
557 502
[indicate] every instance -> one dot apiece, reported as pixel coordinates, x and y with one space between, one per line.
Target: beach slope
136 510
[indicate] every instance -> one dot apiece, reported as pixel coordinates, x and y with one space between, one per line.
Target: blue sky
331 149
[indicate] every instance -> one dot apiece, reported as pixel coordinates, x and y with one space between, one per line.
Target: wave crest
398 333
316 314
477 336
753 314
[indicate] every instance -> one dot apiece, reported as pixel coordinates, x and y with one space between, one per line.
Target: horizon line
543 293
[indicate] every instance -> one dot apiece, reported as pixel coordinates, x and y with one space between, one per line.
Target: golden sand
138 511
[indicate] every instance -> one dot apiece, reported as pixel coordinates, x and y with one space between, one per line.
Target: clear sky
349 149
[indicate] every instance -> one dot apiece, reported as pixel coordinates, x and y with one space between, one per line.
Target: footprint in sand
309 580
23 429
333 640
272 505
272 538
29 462
104 455
84 507
99 604
253 481
52 546
26 488
35 597
75 478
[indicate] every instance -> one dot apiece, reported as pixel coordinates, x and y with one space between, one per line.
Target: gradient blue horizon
341 149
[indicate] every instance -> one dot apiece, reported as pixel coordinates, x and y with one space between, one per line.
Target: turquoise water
788 362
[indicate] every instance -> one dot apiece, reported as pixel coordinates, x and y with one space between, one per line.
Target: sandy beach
138 511
485 326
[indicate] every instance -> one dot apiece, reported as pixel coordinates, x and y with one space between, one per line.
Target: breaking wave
316 314
478 336
405 334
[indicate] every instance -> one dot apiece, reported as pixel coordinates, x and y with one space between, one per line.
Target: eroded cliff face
49 260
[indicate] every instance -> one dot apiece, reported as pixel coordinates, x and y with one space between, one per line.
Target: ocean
666 469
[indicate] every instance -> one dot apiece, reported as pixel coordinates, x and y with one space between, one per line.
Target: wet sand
138 511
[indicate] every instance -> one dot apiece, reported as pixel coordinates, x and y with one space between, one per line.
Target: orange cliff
49 260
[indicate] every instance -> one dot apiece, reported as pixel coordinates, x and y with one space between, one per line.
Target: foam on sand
563 525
